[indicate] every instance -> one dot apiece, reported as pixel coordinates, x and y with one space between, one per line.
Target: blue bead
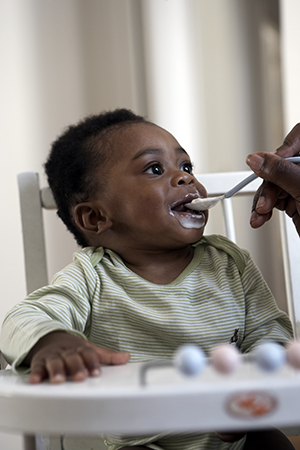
269 356
190 359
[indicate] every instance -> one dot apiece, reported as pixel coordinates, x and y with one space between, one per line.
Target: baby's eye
187 167
155 169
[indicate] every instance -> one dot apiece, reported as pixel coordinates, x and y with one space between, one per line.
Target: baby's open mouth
185 216
181 208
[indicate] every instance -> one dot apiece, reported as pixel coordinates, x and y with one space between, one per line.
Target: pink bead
293 354
225 358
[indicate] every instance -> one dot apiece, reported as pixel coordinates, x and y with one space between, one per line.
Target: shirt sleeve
264 321
64 305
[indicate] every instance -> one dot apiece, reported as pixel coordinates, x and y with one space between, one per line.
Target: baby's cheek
201 189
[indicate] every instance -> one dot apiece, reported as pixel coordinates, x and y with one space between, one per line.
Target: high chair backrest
33 200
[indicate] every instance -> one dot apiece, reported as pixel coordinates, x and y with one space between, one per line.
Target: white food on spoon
201 204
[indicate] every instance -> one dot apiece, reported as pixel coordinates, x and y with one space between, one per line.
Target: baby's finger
56 369
111 357
38 372
90 359
74 365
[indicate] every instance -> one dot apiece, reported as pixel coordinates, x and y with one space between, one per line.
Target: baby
146 279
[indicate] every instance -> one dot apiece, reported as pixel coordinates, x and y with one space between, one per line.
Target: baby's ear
90 219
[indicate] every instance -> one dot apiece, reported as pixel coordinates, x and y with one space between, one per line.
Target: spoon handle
240 185
253 176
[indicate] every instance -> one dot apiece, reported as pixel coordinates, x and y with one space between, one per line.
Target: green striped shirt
99 298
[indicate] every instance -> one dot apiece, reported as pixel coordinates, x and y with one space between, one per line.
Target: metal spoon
201 204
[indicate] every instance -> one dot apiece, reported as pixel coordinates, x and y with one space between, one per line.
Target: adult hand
60 355
281 188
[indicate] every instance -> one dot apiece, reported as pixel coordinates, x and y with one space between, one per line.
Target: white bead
269 356
189 359
225 358
293 354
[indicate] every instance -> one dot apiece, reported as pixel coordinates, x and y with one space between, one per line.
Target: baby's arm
60 355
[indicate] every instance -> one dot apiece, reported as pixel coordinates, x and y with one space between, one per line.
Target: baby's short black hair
74 158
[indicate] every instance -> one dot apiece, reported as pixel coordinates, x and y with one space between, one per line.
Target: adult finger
277 170
291 144
263 203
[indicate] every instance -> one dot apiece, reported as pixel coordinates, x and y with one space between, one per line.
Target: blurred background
221 75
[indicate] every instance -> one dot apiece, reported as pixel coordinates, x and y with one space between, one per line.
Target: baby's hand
60 355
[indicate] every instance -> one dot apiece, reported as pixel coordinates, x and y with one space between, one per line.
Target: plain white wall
290 42
203 69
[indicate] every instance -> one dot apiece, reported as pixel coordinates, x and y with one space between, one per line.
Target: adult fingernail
255 161
95 372
253 217
260 202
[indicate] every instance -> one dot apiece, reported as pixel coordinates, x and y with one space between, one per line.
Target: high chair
33 199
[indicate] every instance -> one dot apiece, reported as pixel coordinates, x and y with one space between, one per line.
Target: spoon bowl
201 204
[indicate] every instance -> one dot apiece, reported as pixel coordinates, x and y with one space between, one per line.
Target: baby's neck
159 268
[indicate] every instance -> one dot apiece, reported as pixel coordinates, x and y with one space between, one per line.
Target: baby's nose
183 178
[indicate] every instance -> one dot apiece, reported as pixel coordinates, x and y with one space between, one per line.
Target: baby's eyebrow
155 151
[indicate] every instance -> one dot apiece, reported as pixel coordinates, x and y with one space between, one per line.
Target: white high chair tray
170 402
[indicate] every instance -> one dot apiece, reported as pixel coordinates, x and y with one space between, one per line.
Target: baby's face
148 180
